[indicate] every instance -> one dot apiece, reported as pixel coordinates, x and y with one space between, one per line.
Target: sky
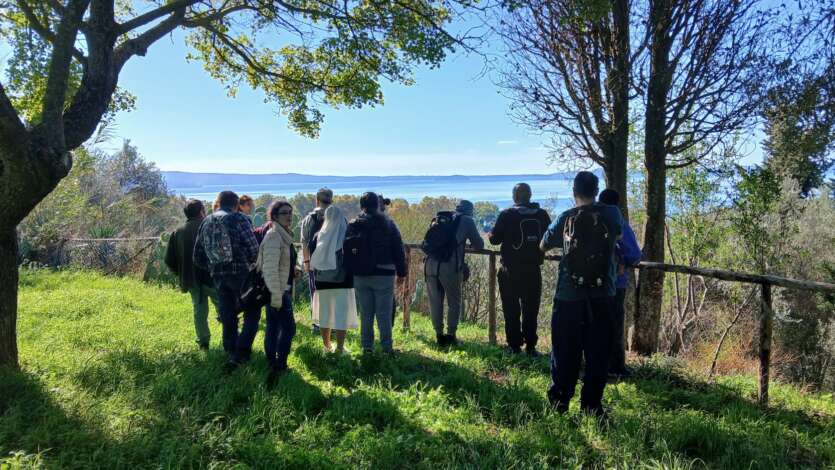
453 120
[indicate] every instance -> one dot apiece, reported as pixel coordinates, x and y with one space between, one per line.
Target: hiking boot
513 349
532 353
620 374
451 340
442 340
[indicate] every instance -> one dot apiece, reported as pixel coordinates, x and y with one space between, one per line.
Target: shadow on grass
714 423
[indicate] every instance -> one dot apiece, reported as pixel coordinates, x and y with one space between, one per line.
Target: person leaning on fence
197 282
628 254
581 322
444 268
277 262
519 230
334 303
310 225
374 253
227 248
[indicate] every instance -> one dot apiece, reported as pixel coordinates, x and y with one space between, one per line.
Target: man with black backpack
227 248
373 252
581 322
310 226
445 269
519 230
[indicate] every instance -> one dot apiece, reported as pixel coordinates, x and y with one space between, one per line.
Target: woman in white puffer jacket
277 261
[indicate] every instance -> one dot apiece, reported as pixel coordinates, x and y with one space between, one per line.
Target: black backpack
440 240
587 248
530 231
358 251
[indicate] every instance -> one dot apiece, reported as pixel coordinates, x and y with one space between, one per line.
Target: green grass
111 378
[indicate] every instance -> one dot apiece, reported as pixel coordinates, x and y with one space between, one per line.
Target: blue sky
452 121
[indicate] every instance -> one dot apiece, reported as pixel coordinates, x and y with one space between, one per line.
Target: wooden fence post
407 301
766 325
491 300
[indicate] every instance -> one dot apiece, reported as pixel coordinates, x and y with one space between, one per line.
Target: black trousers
521 291
578 328
617 357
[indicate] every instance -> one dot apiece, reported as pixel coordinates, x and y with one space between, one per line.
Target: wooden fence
766 281
766 318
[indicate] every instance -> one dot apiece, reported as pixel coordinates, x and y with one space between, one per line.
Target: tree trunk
8 296
648 317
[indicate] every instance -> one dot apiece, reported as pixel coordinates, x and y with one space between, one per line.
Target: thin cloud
507 142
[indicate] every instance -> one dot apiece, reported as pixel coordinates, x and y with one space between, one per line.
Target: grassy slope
112 379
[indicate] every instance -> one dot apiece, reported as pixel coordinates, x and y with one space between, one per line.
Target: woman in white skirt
334 303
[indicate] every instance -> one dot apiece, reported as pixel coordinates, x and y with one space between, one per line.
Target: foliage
159 402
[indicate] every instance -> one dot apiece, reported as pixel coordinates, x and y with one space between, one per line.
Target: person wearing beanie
444 278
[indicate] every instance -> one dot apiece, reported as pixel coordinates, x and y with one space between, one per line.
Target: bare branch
140 44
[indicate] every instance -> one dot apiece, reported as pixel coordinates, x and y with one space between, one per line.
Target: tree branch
155 14
43 31
11 127
140 44
58 74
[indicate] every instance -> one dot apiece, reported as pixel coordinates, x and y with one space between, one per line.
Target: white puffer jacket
275 262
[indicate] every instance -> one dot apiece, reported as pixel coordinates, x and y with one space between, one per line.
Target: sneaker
330 350
451 340
315 330
367 351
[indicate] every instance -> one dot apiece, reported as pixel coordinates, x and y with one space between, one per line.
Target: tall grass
112 379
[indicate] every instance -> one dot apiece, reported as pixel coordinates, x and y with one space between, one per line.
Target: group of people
354 266
221 257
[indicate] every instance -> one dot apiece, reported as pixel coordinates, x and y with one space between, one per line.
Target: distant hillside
182 179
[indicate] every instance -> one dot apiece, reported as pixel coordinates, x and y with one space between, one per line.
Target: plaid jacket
244 246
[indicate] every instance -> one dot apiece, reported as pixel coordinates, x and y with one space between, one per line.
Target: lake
550 190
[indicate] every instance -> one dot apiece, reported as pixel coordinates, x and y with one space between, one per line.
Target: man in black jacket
192 279
519 230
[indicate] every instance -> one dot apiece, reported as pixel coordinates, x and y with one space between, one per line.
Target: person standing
628 254
246 206
227 248
582 317
519 230
334 302
444 268
277 262
310 226
374 254
197 282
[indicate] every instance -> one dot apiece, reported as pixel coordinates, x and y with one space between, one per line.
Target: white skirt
335 309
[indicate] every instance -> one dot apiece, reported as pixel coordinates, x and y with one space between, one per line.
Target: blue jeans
237 345
278 335
375 296
578 328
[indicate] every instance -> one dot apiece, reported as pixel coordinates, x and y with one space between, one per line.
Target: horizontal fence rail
766 281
